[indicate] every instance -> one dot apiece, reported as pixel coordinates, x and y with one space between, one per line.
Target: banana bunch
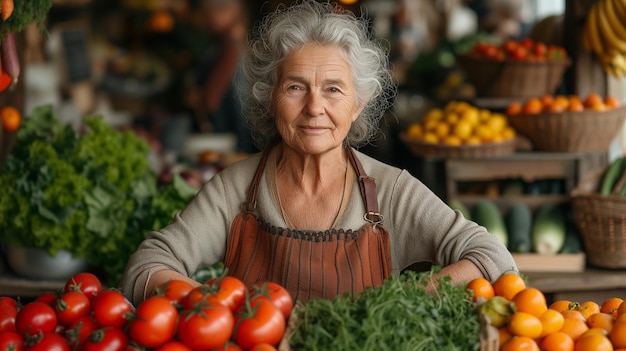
604 34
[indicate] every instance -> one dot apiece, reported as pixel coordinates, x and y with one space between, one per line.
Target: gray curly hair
293 27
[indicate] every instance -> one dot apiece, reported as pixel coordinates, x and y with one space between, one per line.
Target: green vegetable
398 315
548 232
91 193
486 213
612 175
519 221
25 12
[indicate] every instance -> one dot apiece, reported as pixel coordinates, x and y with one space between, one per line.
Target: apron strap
250 205
367 185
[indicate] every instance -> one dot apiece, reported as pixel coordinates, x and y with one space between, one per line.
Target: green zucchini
612 174
519 223
486 213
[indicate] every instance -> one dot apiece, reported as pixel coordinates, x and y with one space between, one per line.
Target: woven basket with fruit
523 68
568 123
460 130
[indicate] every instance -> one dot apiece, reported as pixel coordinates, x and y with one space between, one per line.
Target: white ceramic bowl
35 263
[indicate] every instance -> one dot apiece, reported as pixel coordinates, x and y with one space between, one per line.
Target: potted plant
91 192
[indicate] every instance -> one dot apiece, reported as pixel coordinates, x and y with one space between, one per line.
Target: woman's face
314 99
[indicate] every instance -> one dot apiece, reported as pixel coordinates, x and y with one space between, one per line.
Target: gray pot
36 263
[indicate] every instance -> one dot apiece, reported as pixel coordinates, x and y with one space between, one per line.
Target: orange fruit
530 300
520 343
601 320
557 342
595 331
611 305
573 314
504 334
588 308
161 21
593 343
612 102
618 335
546 100
560 305
621 309
525 324
574 327
509 284
11 118
514 108
532 106
551 321
576 106
480 288
593 99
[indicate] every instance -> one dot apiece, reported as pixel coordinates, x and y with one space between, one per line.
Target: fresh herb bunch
25 12
398 315
92 193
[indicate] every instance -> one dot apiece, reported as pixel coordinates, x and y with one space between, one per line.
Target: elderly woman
310 212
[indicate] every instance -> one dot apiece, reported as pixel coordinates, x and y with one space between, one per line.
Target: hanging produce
604 34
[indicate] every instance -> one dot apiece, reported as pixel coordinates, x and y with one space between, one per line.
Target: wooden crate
534 262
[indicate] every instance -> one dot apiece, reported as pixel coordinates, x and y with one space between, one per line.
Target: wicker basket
430 150
510 78
585 131
601 220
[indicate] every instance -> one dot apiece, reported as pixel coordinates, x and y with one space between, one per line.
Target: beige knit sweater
422 227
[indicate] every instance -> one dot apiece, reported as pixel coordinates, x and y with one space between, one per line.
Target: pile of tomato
520 50
221 314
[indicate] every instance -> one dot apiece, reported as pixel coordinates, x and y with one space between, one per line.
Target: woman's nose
314 104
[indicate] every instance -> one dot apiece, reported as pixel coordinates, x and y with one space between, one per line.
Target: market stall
520 137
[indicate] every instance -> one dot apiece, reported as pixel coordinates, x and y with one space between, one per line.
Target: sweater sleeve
196 237
424 228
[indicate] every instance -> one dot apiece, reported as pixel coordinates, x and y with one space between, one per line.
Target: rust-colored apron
310 264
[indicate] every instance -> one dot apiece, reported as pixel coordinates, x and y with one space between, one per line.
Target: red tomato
154 322
207 328
47 342
520 53
173 346
257 323
106 339
7 318
72 305
510 46
263 347
174 290
86 282
540 49
228 291
527 43
11 341
274 292
49 298
110 308
35 318
5 300
79 330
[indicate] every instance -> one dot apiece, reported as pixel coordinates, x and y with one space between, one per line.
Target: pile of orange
532 324
460 123
562 103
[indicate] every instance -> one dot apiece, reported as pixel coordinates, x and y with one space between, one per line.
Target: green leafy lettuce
91 192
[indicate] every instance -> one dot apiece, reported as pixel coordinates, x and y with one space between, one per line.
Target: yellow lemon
452 140
497 122
508 133
430 125
442 130
473 140
415 131
463 129
484 114
451 118
430 137
471 116
433 114
485 133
